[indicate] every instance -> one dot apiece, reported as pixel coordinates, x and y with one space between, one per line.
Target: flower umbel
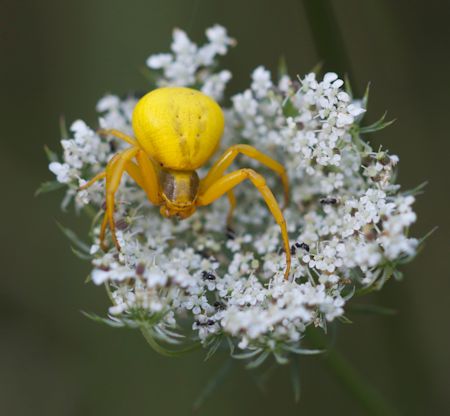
348 221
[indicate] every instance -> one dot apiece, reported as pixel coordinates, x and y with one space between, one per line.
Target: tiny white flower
160 60
261 81
61 170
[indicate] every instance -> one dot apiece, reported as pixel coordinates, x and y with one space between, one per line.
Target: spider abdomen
178 127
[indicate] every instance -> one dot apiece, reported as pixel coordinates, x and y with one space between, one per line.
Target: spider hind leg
226 183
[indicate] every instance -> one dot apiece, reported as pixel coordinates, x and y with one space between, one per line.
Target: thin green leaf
213 384
427 235
49 186
409 258
63 131
387 274
317 68
81 255
246 355
107 321
166 336
280 359
51 155
365 99
344 319
282 67
295 379
350 294
259 360
417 190
149 337
108 292
212 350
173 334
398 275
73 238
378 125
347 85
151 340
230 345
305 351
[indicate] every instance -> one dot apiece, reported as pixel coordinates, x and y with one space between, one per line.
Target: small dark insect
122 224
304 246
207 275
230 233
204 253
208 322
112 146
328 201
219 306
293 249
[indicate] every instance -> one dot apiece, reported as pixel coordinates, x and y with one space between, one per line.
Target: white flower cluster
347 221
189 65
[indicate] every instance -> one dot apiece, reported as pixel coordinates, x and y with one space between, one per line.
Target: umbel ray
177 131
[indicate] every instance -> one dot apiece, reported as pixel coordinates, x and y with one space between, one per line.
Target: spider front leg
232 201
226 183
150 175
131 168
118 134
218 168
114 170
144 174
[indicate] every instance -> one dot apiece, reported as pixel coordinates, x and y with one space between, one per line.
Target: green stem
328 39
370 399
330 47
214 383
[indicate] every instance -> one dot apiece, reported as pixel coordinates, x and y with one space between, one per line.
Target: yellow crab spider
177 131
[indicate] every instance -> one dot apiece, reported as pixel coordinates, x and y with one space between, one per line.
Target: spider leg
103 246
91 182
219 167
149 177
102 235
131 168
114 171
232 201
118 134
228 182
145 176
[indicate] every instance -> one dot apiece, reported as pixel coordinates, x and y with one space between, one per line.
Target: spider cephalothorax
179 190
177 131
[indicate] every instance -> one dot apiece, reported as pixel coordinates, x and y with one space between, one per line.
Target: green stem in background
331 49
363 392
328 39
214 383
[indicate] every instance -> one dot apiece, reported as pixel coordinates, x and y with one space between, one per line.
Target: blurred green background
59 57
